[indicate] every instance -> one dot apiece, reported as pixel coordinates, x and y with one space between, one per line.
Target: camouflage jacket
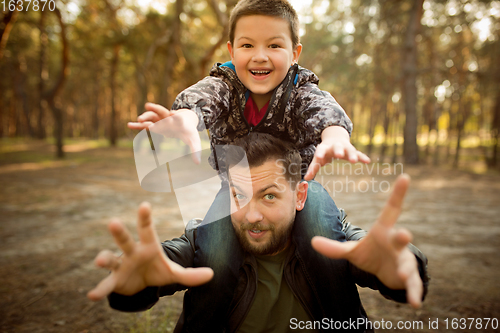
298 110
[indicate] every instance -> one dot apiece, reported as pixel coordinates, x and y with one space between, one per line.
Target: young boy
261 89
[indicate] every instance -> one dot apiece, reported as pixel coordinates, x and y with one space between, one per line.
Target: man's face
262 52
263 207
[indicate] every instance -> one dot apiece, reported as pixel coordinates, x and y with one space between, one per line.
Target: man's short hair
275 8
262 147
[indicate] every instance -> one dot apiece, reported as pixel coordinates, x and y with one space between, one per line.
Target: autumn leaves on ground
53 217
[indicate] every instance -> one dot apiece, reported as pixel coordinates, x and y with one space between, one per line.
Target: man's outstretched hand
383 252
143 263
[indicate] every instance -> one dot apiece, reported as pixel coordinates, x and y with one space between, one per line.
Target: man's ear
230 49
301 191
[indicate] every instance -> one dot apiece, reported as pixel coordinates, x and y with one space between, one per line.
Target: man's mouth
256 231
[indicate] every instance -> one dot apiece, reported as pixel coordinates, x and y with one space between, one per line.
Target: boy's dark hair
260 148
275 8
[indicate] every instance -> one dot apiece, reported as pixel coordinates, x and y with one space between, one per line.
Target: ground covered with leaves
53 218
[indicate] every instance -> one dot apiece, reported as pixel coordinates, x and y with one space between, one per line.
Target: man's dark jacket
344 305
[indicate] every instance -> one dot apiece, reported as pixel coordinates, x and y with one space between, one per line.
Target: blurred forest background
420 79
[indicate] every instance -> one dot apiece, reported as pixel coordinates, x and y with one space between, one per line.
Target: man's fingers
107 259
331 248
103 289
400 239
145 228
408 272
392 208
192 277
122 236
414 290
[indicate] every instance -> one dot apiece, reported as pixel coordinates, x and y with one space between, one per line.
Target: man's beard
279 239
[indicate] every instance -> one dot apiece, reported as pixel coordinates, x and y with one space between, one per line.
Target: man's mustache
256 226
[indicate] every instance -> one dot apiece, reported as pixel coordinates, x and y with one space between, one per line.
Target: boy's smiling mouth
260 72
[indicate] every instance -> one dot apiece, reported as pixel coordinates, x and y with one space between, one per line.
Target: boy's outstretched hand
383 252
143 263
181 124
335 143
154 112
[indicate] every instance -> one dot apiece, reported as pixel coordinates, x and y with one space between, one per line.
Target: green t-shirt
274 304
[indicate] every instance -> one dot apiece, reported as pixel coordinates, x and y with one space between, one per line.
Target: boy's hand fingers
139 126
122 236
312 170
352 154
160 111
149 116
363 157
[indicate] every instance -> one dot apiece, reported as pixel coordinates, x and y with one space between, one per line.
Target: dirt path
53 218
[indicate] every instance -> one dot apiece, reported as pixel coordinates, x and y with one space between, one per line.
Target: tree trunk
112 77
171 58
8 21
51 95
496 130
44 76
20 92
410 88
95 111
395 133
386 123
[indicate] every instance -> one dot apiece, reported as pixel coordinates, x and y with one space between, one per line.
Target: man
274 289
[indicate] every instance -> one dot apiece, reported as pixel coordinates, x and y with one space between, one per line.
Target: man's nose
253 214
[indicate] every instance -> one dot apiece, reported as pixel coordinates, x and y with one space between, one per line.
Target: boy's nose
260 55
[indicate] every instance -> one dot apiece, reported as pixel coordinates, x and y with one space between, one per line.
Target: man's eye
239 196
269 196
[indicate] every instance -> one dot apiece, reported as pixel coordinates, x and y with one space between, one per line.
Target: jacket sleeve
207 98
365 279
316 110
179 250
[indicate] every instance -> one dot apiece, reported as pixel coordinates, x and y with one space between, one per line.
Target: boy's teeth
260 72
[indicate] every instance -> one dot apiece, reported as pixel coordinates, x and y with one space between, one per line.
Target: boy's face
262 53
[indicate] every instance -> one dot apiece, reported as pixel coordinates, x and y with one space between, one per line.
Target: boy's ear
230 49
296 53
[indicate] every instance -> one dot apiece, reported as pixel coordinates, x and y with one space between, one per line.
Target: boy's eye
269 196
246 46
274 46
